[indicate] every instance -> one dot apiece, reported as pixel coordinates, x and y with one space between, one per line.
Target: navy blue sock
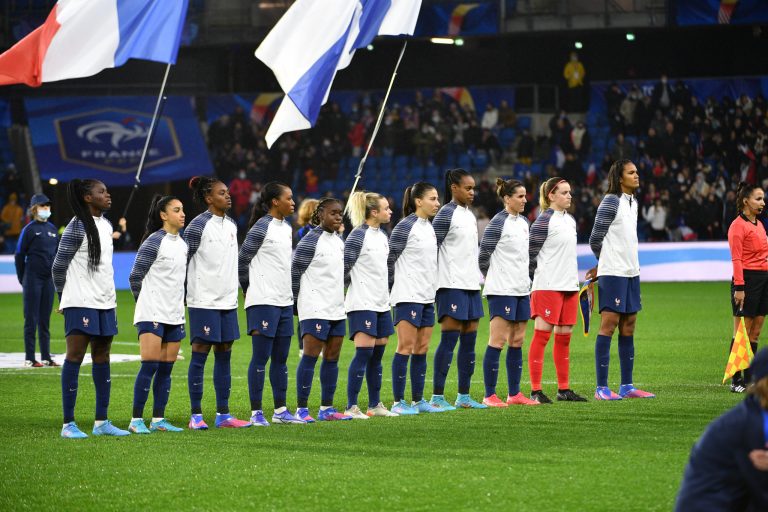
491 369
195 375
373 376
514 369
142 386
399 372
356 373
222 380
443 358
304 375
103 384
262 350
627 358
465 361
603 358
161 389
70 373
278 370
418 376
329 375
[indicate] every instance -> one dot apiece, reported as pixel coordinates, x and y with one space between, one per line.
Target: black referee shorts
755 294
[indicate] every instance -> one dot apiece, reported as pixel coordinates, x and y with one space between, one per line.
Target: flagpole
378 121
150 135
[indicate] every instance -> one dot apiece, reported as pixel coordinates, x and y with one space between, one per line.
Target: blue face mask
44 214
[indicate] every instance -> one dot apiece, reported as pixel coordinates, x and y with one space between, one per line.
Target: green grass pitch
626 455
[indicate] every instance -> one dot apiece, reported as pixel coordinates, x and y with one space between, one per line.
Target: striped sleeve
194 233
352 247
442 222
71 239
491 238
537 237
250 248
145 257
606 212
302 258
397 242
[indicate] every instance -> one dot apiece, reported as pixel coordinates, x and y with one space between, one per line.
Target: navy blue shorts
321 329
461 305
372 323
167 332
270 321
213 325
93 322
514 309
619 294
419 315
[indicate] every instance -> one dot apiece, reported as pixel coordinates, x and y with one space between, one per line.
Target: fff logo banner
112 139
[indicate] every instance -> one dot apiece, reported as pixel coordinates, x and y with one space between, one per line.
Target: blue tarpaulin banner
103 138
458 19
717 12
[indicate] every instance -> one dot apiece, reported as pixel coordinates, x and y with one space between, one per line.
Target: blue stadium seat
385 162
464 161
524 123
401 161
481 161
506 137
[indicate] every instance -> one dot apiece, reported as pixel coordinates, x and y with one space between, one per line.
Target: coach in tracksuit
35 251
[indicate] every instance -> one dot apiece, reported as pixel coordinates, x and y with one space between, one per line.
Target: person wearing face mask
35 251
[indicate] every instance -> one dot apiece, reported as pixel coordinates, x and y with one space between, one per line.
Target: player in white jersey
84 279
367 301
317 278
413 282
554 297
212 298
459 304
157 283
504 263
614 243
264 267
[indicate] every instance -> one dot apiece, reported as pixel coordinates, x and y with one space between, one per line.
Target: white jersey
456 231
78 285
264 263
157 279
504 256
317 275
365 270
412 261
552 252
212 269
614 236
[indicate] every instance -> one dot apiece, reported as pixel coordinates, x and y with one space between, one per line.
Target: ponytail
743 191
453 177
201 187
360 205
507 188
416 191
547 188
154 221
76 192
271 190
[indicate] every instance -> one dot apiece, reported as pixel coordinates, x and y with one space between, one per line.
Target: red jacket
749 248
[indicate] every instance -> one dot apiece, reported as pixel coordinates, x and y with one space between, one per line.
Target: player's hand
591 273
759 459
738 298
123 224
60 311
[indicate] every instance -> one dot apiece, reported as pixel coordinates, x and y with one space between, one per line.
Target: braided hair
453 177
614 176
154 222
315 220
271 190
201 187
76 192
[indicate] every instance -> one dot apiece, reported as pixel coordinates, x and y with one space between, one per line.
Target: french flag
316 38
82 37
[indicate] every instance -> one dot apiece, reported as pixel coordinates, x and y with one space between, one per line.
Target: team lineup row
429 267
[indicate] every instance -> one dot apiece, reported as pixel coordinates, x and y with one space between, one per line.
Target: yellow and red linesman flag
741 353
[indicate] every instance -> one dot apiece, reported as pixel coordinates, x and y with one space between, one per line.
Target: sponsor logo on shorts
547 312
413 314
454 307
86 321
206 330
617 301
155 325
318 327
264 325
507 310
368 324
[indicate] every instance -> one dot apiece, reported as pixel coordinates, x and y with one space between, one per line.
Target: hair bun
194 181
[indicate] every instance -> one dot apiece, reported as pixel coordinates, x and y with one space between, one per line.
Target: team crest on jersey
155 325
264 325
318 327
53 235
368 324
454 307
86 321
617 301
547 312
413 314
206 330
